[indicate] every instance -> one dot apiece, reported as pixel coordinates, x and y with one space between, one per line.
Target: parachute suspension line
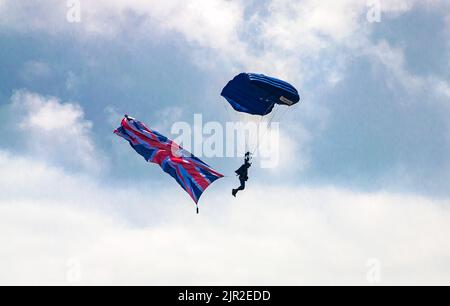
258 138
235 118
251 93
226 109
283 114
246 143
249 145
241 119
269 129
245 120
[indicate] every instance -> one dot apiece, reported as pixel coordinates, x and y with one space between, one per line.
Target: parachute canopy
257 94
193 175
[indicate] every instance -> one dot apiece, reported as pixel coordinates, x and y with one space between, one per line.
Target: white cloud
283 153
72 81
246 37
442 87
35 70
210 23
269 235
393 62
167 116
279 40
56 131
296 40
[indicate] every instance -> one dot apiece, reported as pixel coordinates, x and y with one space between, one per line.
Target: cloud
56 131
72 82
148 234
442 87
239 30
167 116
282 152
280 37
35 70
287 235
206 22
305 42
393 61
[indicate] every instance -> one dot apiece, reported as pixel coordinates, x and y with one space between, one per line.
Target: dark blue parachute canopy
257 94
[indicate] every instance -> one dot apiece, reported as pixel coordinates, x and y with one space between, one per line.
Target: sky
362 191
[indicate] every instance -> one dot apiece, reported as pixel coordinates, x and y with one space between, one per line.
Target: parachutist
242 172
257 94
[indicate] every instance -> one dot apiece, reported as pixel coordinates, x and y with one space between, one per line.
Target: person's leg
240 188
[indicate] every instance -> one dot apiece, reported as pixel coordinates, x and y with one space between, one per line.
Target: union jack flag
193 175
